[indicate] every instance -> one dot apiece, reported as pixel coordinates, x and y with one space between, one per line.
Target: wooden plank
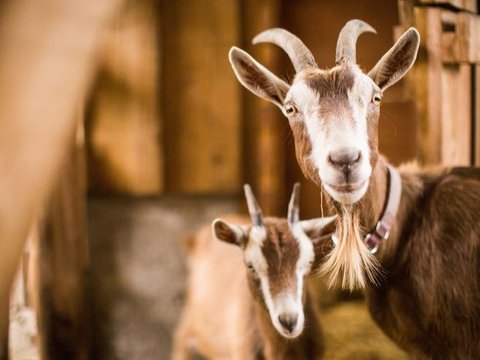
123 126
200 101
441 88
467 5
47 52
425 81
264 156
456 114
63 266
460 38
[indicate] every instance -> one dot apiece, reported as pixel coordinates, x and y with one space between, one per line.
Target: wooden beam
467 5
460 39
47 52
63 266
264 147
200 100
425 80
123 126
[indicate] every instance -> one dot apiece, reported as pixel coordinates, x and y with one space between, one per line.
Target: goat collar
390 209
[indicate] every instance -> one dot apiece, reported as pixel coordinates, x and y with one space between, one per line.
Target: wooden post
47 50
125 153
200 102
441 83
63 312
264 147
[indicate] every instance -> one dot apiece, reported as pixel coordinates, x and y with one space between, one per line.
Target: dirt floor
138 275
138 270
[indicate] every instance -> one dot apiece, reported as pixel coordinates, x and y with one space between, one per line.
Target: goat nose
344 157
288 321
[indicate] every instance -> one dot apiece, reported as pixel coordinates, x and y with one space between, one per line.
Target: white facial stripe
305 98
258 234
305 245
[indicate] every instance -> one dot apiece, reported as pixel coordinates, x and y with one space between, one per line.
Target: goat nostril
288 321
344 157
357 158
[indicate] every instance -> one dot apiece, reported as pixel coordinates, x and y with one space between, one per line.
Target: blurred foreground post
62 264
47 52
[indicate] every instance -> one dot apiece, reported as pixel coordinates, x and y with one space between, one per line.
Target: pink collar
392 202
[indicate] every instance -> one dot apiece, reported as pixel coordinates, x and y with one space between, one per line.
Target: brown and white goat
255 305
423 283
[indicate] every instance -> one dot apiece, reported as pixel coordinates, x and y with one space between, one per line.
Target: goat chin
350 260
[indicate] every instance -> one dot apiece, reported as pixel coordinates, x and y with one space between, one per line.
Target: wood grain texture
442 89
456 116
461 42
265 128
425 78
123 122
467 5
200 97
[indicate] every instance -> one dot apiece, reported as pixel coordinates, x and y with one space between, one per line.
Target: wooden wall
443 80
123 126
168 116
200 97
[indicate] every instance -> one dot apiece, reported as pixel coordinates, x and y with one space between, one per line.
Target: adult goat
423 284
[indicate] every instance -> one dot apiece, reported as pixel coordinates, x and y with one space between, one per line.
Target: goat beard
350 261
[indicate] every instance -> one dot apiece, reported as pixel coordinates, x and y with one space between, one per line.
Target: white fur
290 300
329 135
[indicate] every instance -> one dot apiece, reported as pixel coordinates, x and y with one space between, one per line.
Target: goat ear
397 61
319 228
257 78
229 233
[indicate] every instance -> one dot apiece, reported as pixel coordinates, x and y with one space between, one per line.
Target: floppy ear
319 228
257 78
397 61
232 234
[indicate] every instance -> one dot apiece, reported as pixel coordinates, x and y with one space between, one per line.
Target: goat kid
427 294
255 306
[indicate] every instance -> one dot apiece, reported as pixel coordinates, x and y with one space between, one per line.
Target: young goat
423 284
261 308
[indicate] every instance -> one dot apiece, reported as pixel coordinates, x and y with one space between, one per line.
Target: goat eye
290 109
377 99
250 267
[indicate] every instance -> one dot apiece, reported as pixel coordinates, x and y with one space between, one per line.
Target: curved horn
293 205
296 50
347 40
253 207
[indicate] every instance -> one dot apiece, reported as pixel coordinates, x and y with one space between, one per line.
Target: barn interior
124 131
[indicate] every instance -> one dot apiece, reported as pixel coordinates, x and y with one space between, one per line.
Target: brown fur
281 250
429 301
428 297
225 316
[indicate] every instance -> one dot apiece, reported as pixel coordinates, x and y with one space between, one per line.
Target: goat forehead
333 87
280 248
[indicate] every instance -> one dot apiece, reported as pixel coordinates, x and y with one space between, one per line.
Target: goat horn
293 205
347 40
296 50
253 207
